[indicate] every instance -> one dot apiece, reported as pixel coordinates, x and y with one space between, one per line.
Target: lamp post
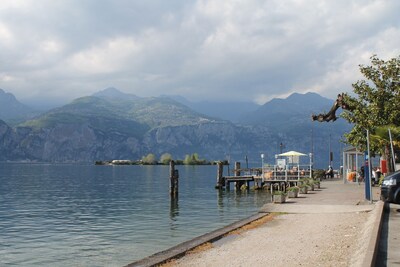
330 152
262 165
281 146
311 163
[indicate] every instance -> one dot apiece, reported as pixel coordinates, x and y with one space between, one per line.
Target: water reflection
174 208
240 199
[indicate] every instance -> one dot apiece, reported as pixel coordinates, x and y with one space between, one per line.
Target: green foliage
318 173
279 193
194 160
377 102
165 158
293 188
149 159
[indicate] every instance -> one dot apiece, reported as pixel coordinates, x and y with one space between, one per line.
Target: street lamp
262 165
281 146
311 163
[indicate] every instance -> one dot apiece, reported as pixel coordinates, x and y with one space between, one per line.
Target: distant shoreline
139 162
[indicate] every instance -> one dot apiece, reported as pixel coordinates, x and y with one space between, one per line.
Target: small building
352 161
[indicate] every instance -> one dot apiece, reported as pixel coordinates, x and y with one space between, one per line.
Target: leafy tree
377 103
193 160
195 157
165 158
188 160
149 159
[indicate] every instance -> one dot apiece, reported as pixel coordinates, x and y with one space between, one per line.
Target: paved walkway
335 197
389 246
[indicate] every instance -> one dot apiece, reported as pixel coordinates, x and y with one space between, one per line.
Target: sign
281 163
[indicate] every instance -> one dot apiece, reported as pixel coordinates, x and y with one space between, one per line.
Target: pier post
220 179
173 180
237 173
237 168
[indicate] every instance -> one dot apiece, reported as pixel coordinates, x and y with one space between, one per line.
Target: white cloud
108 57
204 49
6 35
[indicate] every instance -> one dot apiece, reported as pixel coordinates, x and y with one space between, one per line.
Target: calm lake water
86 215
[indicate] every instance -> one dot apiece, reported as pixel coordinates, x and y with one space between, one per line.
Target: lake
87 215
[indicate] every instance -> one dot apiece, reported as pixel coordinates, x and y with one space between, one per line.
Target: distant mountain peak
114 93
295 109
7 96
11 110
308 95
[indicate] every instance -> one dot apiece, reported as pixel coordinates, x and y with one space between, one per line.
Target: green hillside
128 116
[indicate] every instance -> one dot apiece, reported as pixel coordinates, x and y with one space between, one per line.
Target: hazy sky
216 50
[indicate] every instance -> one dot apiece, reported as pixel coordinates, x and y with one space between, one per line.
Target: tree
195 157
149 159
377 103
188 160
165 158
193 160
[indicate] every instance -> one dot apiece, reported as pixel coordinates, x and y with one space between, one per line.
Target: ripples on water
82 215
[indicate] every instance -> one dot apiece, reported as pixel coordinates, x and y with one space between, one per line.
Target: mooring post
220 170
237 173
173 179
237 168
272 191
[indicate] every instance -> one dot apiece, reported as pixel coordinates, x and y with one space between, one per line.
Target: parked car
390 189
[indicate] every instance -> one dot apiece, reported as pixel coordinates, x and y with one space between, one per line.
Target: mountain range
114 125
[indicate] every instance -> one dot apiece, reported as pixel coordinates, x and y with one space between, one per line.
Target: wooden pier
272 178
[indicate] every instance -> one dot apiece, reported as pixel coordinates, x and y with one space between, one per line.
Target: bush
293 188
279 193
318 174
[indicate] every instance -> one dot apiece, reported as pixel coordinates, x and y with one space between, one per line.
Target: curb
373 244
180 250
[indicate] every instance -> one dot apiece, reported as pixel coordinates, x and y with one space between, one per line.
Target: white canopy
291 154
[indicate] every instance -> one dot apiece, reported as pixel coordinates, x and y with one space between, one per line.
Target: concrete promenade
335 203
333 197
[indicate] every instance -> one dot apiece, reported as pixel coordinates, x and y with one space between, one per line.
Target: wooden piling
237 173
237 168
173 179
220 179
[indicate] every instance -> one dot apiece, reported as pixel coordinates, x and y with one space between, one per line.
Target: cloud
235 50
108 57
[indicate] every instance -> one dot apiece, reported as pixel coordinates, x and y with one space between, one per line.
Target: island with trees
165 159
